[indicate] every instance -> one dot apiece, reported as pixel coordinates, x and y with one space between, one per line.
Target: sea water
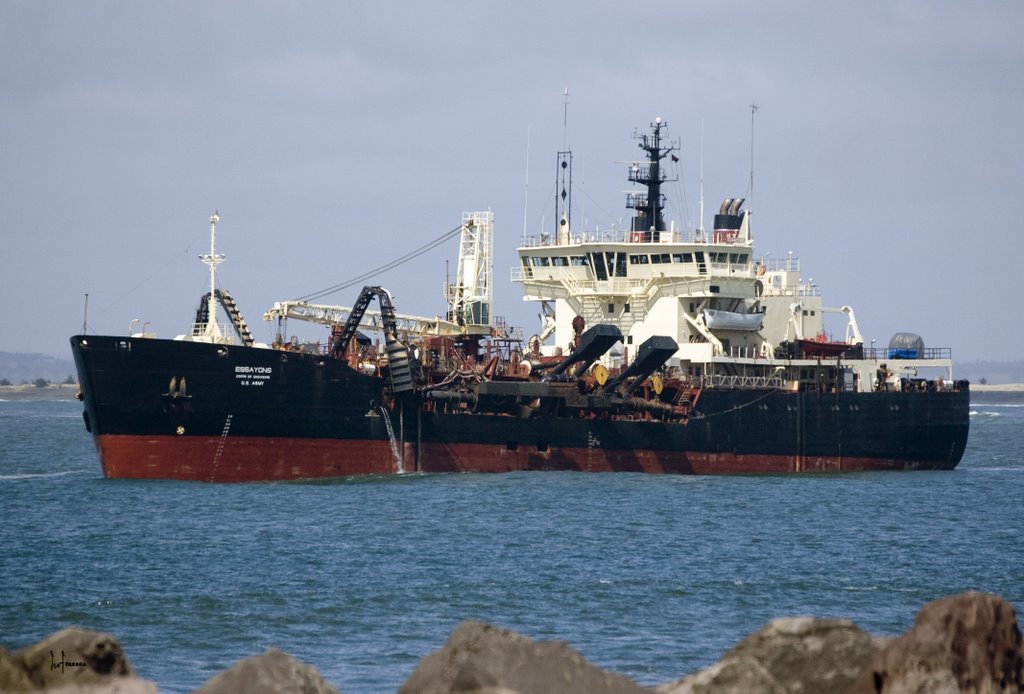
649 576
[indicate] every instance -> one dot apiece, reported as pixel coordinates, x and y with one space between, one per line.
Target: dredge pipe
593 343
655 351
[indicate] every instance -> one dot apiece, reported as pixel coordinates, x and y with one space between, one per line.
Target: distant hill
994 372
20 368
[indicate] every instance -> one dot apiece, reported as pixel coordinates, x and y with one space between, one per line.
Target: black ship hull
173 409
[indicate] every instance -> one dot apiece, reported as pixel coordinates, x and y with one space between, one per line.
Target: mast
563 180
649 206
213 260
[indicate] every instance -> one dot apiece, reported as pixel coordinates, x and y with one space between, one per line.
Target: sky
333 137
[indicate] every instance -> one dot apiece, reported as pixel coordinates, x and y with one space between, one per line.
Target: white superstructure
731 312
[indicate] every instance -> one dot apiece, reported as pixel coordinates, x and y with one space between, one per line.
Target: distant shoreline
62 391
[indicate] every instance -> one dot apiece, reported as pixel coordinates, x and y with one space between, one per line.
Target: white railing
652 238
721 381
223 328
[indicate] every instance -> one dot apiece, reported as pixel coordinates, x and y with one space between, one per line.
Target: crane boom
371 320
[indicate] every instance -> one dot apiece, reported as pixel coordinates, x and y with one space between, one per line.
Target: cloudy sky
335 136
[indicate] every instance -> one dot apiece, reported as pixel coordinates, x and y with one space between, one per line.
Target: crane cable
313 296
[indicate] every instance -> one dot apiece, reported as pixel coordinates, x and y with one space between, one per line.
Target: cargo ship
660 351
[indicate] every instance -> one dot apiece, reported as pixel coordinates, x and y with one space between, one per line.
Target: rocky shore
964 643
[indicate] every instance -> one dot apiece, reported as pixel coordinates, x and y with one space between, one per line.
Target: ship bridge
654 282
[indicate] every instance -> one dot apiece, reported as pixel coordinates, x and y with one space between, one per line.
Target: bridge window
615 262
578 261
560 261
620 264
638 259
541 261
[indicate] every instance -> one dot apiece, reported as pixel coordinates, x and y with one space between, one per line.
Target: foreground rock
72 661
13 677
485 659
964 643
787 656
273 672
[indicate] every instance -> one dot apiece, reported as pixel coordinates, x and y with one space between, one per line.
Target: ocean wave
976 413
32 475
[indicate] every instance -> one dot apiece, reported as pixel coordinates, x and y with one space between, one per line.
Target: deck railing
896 353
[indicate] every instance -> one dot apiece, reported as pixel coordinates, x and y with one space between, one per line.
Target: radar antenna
648 218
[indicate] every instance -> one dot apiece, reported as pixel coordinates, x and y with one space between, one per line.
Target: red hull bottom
240 459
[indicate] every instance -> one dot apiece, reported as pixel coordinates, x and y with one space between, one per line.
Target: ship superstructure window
560 261
638 259
727 258
541 261
616 263
608 264
611 308
660 258
625 308
578 261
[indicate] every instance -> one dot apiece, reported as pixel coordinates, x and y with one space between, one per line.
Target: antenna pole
526 187
565 120
85 314
753 110
700 223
